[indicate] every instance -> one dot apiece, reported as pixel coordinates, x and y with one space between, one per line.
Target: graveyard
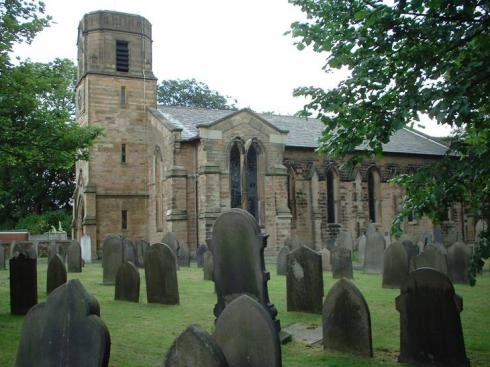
142 333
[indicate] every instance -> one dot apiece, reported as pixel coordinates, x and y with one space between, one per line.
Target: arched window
235 177
251 179
332 196
374 194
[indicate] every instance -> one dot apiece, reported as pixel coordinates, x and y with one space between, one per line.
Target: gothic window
123 153
252 199
373 181
124 219
332 184
122 56
235 177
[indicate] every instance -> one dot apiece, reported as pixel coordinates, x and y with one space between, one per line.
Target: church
161 169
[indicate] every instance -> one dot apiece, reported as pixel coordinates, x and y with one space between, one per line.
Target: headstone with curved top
341 261
458 257
282 260
127 283
112 257
373 254
431 258
395 266
74 258
161 275
56 273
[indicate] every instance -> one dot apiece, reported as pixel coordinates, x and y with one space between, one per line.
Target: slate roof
303 133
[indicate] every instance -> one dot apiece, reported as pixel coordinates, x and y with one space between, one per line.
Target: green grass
142 333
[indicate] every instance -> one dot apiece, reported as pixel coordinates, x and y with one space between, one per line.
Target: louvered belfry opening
122 56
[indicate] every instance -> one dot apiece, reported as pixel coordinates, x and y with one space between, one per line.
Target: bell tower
115 88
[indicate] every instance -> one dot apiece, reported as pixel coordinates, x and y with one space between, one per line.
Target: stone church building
159 169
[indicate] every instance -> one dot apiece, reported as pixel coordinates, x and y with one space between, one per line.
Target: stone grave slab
129 251
346 320
208 267
309 334
141 247
373 254
161 275
195 347
86 245
23 282
56 273
341 261
458 262
127 283
200 251
245 343
112 258
304 281
282 260
361 249
74 258
65 331
326 259
431 258
23 247
395 266
430 324
185 255
344 239
170 239
411 250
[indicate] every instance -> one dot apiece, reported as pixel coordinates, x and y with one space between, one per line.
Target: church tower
116 86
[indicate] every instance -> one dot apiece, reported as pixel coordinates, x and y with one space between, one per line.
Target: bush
41 223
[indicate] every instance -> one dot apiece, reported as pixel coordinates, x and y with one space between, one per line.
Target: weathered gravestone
438 234
293 243
458 261
129 251
170 239
161 275
127 283
141 247
361 248
452 236
430 325
2 257
346 320
184 255
304 281
431 258
238 246
282 260
201 250
53 249
246 343
195 347
74 258
56 273
208 267
86 245
325 253
65 331
395 266
23 282
411 249
23 247
341 261
112 257
344 239
373 254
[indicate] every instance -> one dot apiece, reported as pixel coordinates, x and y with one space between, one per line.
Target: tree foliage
39 139
405 58
192 93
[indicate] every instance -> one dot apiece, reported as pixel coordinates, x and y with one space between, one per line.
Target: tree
192 93
39 139
406 58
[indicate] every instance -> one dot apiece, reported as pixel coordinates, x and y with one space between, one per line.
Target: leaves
405 58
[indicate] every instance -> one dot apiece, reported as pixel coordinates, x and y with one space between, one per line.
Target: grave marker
395 266
282 263
161 275
56 273
23 282
341 260
127 283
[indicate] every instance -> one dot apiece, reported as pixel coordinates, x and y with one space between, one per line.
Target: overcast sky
237 47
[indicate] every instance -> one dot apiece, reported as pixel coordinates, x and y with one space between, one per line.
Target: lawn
142 333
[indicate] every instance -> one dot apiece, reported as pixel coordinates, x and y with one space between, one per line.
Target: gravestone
74 258
65 331
346 320
458 261
112 257
325 253
411 250
293 243
2 257
208 267
238 246
451 236
431 258
245 343
184 255
282 260
373 254
170 239
56 273
23 247
371 229
430 324
127 283
304 281
141 247
53 249
344 239
195 347
395 266
361 249
129 251
86 245
341 261
438 234
161 275
23 282
201 250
